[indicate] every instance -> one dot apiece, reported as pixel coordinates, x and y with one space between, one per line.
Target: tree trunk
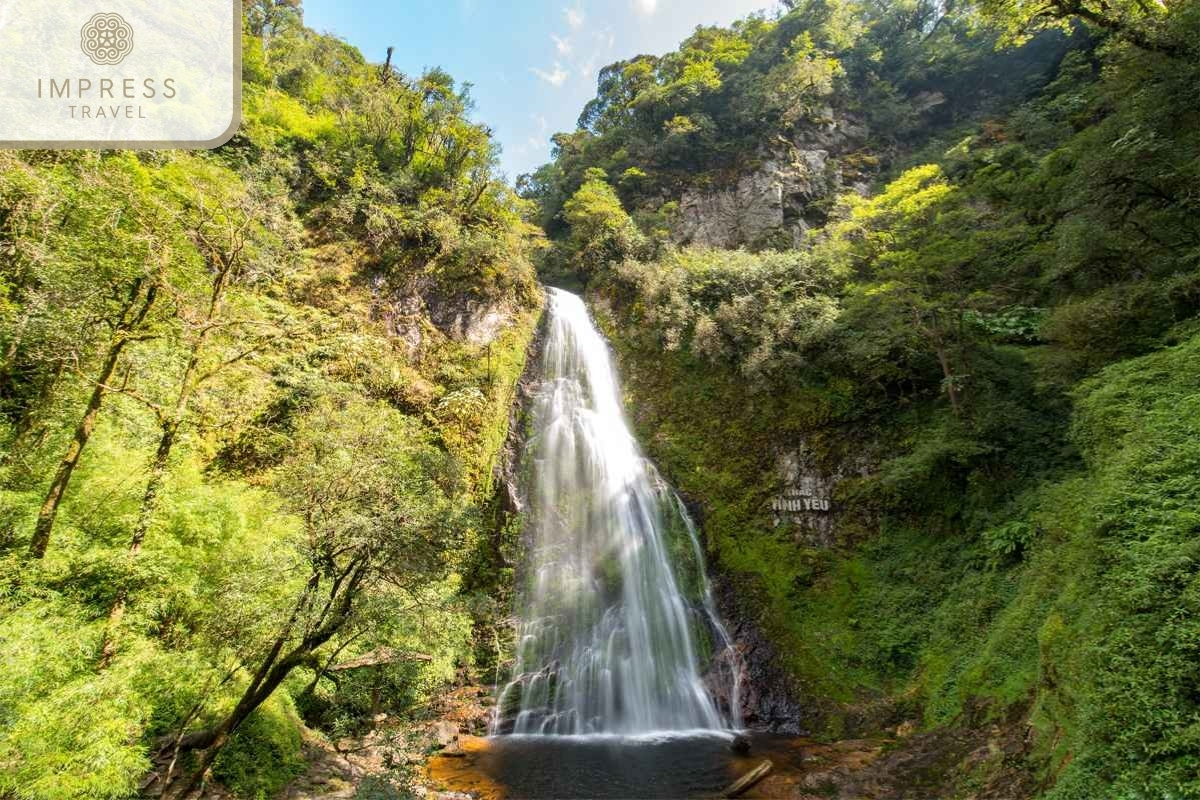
158 468
1121 28
145 513
270 675
83 432
747 781
385 73
274 670
267 677
184 787
10 354
948 373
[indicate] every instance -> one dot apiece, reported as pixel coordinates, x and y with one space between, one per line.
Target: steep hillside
936 409
251 402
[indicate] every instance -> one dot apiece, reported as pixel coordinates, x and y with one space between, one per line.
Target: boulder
444 732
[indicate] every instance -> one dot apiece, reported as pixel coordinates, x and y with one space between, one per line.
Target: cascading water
616 611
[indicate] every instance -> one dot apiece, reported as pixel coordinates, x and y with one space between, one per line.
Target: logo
106 39
134 75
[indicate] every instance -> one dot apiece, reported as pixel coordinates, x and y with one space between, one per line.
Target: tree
173 521
129 326
130 260
915 257
1138 22
227 231
601 230
268 17
376 500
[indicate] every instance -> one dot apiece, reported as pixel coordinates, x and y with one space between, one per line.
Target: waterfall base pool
547 767
674 766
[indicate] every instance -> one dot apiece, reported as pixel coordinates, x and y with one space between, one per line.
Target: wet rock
445 732
769 699
806 500
740 745
507 473
528 687
467 707
453 750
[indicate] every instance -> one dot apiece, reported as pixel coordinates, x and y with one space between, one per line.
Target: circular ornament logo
106 39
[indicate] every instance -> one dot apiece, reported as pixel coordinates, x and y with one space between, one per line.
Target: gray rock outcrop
786 195
806 498
460 316
774 200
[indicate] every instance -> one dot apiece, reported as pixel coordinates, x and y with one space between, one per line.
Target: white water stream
618 632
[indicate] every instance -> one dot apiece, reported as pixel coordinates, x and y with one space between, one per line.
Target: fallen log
744 783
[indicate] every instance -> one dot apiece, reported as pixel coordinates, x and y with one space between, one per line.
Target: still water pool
674 766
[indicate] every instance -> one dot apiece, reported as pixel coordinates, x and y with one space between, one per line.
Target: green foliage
1140 23
68 731
56 752
1003 333
1135 666
313 421
265 753
728 96
757 310
601 231
1009 539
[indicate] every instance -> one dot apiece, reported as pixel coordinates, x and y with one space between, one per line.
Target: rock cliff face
510 483
770 700
806 503
460 316
784 197
806 509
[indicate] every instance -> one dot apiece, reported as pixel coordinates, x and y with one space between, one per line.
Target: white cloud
555 77
603 42
575 17
562 44
645 7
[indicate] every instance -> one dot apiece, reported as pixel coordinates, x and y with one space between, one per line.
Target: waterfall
617 624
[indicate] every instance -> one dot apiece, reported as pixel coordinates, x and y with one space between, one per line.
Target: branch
379 658
231 361
157 409
1132 34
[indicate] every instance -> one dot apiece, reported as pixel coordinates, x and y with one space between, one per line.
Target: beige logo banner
131 73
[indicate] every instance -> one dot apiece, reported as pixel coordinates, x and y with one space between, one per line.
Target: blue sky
533 64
